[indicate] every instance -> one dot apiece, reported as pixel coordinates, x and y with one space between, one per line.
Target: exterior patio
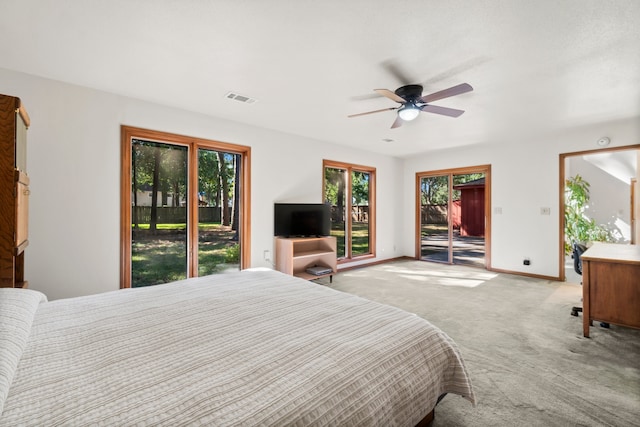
467 250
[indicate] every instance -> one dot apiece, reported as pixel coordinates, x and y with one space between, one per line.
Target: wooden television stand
295 254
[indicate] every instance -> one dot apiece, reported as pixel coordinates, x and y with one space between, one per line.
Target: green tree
578 227
435 190
174 174
335 189
235 216
360 187
161 167
227 187
209 176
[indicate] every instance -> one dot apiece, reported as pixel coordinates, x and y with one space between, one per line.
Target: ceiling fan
413 102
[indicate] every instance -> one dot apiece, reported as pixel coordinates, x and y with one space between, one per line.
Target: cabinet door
22 212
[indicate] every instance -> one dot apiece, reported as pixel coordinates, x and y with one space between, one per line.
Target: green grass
212 257
158 261
179 226
161 257
359 238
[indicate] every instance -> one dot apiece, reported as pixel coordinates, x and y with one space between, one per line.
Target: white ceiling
536 66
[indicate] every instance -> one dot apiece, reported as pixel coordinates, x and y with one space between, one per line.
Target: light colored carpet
528 361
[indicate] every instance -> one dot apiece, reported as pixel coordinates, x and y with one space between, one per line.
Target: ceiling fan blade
451 112
391 95
394 69
452 91
371 112
397 123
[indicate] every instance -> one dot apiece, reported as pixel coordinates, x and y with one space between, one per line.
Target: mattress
245 348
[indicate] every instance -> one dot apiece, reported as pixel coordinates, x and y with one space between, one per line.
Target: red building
471 208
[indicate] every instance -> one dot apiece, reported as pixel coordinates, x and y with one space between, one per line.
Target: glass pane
218 211
360 213
468 219
158 213
434 223
335 194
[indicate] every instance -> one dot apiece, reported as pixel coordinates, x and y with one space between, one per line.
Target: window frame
127 134
350 168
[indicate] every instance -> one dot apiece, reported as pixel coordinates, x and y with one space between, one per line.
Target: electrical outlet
267 255
545 211
526 261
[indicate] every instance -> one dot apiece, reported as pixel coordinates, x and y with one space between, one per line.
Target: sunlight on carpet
444 281
444 275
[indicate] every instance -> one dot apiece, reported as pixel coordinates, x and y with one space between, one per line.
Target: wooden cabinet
611 285
14 191
295 255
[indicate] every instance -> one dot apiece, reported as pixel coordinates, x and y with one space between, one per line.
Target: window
350 190
184 207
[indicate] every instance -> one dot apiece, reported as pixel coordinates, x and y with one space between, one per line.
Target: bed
255 347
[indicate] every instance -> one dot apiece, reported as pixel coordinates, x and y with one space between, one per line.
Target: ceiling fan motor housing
410 93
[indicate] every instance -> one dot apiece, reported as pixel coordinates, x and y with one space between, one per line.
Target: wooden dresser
14 191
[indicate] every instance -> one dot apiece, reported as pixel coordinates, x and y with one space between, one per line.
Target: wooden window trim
350 167
127 133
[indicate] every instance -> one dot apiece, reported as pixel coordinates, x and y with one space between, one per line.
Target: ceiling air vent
241 98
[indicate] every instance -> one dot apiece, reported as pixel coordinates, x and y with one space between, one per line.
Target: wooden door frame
349 168
561 184
127 133
486 169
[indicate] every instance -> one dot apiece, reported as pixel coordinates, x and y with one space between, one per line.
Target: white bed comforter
248 348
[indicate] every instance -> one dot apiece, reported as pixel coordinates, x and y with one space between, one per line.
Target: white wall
524 178
74 166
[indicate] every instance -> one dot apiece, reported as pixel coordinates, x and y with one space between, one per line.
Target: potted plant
578 227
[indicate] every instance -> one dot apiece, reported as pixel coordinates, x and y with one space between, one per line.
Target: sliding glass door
158 212
434 218
350 190
218 211
468 195
184 207
361 209
452 218
335 193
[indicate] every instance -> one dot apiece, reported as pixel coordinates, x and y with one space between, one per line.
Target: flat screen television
301 219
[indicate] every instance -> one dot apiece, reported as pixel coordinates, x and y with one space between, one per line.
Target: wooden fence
174 215
358 214
437 214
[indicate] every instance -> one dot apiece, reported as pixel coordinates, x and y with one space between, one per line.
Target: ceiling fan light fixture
408 112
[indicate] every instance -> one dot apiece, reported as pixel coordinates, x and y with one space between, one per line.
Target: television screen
302 219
